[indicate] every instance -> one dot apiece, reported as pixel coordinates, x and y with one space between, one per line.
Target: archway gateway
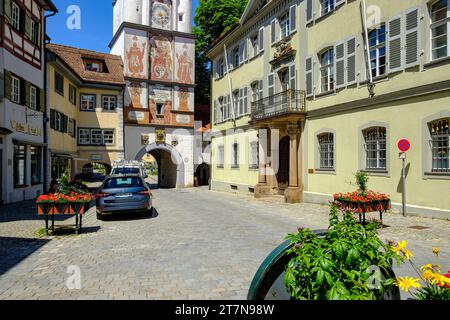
171 168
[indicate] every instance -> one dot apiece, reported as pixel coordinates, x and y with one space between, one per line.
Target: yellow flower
440 280
407 253
428 275
436 251
400 246
405 283
426 267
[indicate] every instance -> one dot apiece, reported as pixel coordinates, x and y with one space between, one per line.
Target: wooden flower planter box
50 209
361 208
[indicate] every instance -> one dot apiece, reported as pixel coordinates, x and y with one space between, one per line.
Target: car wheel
99 216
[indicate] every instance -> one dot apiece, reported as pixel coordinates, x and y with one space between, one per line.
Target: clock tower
154 39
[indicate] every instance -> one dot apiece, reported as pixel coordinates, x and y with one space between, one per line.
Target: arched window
327 70
440 144
375 146
326 150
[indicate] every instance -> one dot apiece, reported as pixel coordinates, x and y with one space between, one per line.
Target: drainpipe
45 117
371 84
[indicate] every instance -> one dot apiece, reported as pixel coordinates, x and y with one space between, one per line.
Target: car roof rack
125 163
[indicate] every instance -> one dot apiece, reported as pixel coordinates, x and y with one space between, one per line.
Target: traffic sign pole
403 145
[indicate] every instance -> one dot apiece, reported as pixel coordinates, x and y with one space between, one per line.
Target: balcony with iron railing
287 105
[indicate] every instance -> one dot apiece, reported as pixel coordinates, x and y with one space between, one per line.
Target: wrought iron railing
287 102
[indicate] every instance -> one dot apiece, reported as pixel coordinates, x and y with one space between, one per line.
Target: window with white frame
257 91
84 136
220 67
440 25
15 16
377 45
253 161
33 98
108 136
327 70
71 127
96 136
326 6
72 94
284 26
375 147
109 103
236 57
15 93
235 163
255 45
34 31
326 151
440 145
87 102
220 157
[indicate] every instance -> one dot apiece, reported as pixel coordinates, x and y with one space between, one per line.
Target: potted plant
349 262
46 203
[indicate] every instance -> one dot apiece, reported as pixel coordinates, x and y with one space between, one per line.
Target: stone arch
175 156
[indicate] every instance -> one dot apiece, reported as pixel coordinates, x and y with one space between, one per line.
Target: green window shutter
41 100
74 134
52 118
66 120
27 27
26 99
8 85
8 10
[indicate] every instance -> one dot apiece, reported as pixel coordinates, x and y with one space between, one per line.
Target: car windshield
123 182
125 170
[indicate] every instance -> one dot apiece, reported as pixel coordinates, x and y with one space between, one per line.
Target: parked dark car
123 193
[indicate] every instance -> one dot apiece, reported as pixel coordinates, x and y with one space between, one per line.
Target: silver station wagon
123 193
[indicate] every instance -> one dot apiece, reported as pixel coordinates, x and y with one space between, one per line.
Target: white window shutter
241 103
215 112
412 46
230 60
395 43
241 52
293 77
351 60
261 40
293 18
273 32
339 50
309 10
309 77
246 91
246 49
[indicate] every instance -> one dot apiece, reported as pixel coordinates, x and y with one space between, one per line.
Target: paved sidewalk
198 245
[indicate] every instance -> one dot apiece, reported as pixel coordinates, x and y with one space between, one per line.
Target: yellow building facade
371 72
85 99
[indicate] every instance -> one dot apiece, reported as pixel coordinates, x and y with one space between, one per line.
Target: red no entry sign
403 145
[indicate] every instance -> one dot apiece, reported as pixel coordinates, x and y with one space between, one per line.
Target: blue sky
96 24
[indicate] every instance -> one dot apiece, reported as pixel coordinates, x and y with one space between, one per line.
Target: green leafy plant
362 180
350 262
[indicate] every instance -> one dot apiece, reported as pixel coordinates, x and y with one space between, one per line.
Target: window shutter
246 90
261 39
340 64
293 77
52 118
241 101
66 119
293 18
412 38
230 62
215 112
2 86
351 61
27 100
27 27
23 92
23 20
8 10
216 69
273 37
309 77
241 52
41 100
8 85
245 58
74 128
271 84
309 10
395 44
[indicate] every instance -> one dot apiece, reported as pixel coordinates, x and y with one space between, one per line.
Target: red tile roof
73 58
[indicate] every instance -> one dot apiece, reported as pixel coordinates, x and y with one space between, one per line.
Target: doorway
283 170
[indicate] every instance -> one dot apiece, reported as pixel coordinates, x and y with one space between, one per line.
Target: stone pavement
198 244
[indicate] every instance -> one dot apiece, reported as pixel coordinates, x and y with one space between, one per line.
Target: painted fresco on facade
136 95
184 99
136 56
184 60
161 15
161 58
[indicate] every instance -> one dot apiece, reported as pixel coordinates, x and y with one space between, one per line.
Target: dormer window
95 65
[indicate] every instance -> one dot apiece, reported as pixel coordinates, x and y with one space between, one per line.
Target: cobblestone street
198 244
